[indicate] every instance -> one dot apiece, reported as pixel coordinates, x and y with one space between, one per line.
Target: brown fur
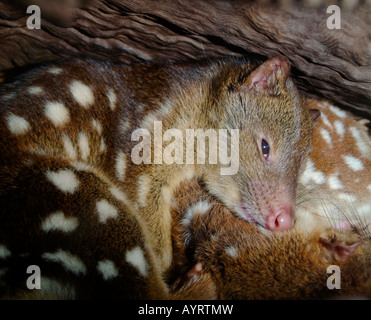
223 94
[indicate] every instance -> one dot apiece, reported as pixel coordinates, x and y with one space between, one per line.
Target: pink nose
281 219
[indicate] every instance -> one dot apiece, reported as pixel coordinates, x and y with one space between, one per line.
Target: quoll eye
265 149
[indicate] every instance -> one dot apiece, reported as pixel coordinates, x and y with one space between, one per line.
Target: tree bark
327 63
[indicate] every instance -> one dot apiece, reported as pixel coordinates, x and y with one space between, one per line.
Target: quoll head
275 137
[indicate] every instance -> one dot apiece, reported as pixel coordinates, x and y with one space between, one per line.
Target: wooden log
327 63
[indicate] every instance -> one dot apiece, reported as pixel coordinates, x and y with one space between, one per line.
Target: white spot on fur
39 151
4 252
69 147
56 290
82 93
96 125
144 184
124 126
17 125
339 127
84 147
105 210
55 70
119 195
310 174
136 258
148 121
325 120
200 208
162 112
231 251
120 165
323 104
8 96
338 112
102 145
364 123
108 269
334 182
369 187
57 113
35 90
81 166
112 99
326 136
363 147
59 222
65 180
353 163
69 261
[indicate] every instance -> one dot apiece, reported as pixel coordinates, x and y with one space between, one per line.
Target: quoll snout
275 206
281 218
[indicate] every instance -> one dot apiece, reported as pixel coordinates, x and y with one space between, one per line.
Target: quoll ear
268 77
340 249
315 114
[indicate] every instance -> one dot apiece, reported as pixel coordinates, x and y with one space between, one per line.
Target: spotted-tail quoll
218 256
84 193
337 174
